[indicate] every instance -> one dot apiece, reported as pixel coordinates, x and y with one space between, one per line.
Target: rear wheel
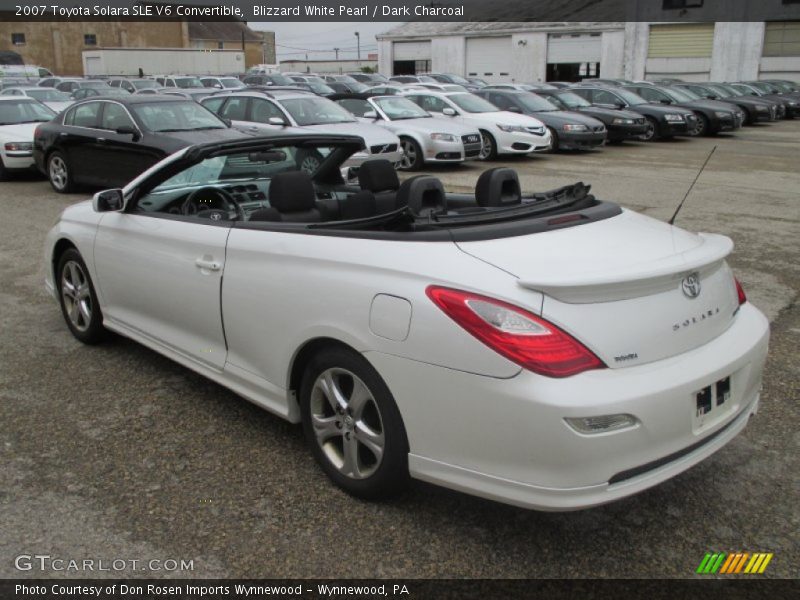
59 174
353 425
78 299
651 133
412 155
488 146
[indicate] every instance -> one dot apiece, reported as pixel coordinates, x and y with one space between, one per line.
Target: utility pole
358 46
337 53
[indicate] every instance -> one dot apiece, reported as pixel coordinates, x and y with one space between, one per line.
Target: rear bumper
18 161
506 439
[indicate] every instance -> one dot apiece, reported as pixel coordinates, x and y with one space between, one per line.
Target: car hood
372 134
21 132
561 117
503 117
431 125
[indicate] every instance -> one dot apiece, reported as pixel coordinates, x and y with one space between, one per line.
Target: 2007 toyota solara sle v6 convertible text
549 350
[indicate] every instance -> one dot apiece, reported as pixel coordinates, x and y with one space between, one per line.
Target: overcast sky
317 40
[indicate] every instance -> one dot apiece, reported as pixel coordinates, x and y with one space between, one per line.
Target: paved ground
113 452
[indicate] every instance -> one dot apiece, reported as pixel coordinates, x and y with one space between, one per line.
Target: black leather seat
498 187
379 177
292 195
423 194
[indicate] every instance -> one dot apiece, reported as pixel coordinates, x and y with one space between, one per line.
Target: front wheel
353 425
702 126
78 299
308 160
412 155
59 174
553 140
488 146
651 133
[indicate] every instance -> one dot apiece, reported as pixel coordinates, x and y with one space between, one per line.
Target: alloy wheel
650 132
347 423
77 296
309 164
58 172
409 154
486 147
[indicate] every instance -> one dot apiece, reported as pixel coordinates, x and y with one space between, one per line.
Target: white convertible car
548 350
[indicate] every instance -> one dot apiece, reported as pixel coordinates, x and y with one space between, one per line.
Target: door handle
207 264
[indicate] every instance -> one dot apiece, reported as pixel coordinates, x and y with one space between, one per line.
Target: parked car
369 78
522 87
662 121
54 81
779 88
156 91
268 79
393 89
502 132
789 103
754 109
412 79
19 118
423 138
713 116
786 86
266 113
222 83
443 87
606 81
568 130
133 85
346 87
50 97
107 92
560 84
70 86
105 143
452 78
307 79
514 346
477 82
195 94
343 78
179 81
620 124
7 82
315 87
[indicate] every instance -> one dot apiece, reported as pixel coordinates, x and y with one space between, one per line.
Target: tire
308 160
652 130
413 159
3 171
59 173
554 144
343 441
488 146
702 127
749 117
78 299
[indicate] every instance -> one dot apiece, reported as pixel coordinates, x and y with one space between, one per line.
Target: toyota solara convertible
549 350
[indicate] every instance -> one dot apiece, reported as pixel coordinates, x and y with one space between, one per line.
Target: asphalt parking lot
114 452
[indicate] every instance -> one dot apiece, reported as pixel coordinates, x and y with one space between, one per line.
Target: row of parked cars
104 132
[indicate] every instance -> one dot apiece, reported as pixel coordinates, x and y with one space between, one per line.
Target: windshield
48 95
426 79
739 90
24 111
676 95
142 84
93 84
785 86
357 87
316 111
630 97
571 100
398 108
764 87
535 103
687 92
313 79
458 79
162 117
188 82
116 92
231 83
472 104
320 88
278 79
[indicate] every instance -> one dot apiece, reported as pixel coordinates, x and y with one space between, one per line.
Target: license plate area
712 403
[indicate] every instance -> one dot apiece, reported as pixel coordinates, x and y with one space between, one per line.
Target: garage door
412 50
489 58
573 48
681 41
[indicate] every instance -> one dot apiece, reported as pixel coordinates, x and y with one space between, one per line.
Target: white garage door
573 48
412 50
489 58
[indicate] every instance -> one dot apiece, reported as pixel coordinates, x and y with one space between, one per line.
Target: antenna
691 187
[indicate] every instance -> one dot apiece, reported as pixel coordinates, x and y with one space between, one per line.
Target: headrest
498 187
422 193
358 206
265 214
292 191
378 175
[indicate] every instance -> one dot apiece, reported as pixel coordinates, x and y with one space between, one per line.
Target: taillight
740 292
520 336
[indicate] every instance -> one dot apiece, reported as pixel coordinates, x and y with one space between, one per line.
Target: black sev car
754 109
662 121
713 116
107 142
620 124
569 130
757 89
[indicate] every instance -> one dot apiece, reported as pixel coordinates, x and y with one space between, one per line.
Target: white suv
503 132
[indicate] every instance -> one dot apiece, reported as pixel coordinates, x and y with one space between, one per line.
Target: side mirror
218 86
276 121
665 101
450 112
371 114
128 130
619 105
514 109
108 201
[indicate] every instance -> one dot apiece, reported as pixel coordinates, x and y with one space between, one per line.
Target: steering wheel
207 201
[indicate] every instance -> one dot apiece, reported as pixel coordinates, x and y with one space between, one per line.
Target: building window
782 38
680 4
18 39
90 39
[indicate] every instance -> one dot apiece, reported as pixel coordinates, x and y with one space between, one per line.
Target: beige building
58 46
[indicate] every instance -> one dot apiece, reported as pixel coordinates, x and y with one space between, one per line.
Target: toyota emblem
691 285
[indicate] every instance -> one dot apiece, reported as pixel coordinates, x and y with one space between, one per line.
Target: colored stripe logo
734 563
